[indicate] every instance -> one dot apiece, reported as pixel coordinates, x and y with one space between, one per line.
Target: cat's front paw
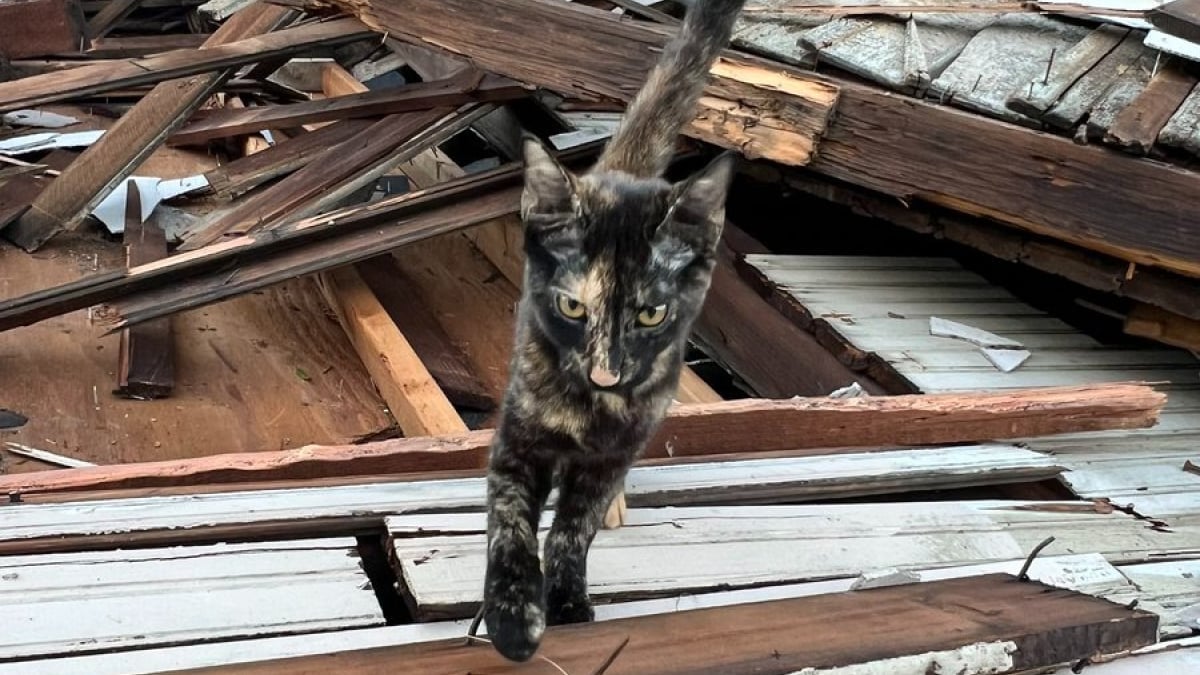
515 629
571 607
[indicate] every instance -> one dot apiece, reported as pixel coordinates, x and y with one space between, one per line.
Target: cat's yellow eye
570 307
652 316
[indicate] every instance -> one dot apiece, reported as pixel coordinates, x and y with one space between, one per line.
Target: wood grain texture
41 27
761 111
1158 324
79 603
207 126
1047 88
1137 127
413 397
133 138
822 425
1078 100
401 299
286 156
1029 624
1129 208
1182 131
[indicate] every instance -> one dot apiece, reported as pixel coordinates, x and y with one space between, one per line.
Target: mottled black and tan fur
618 262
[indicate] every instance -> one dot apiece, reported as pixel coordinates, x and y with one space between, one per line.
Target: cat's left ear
697 213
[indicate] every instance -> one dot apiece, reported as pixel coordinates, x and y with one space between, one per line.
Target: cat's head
617 266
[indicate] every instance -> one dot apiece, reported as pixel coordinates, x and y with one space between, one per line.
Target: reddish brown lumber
41 27
1137 126
800 427
991 623
146 362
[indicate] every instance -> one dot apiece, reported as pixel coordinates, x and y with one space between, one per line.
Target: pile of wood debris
256 290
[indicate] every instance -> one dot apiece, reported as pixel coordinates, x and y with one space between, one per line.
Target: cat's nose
603 377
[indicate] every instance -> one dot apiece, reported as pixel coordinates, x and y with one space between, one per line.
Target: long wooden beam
992 623
799 427
1133 208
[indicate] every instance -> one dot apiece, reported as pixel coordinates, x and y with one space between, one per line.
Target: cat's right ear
549 193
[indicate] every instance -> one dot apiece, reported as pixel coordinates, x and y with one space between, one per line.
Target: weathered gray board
663 552
73 603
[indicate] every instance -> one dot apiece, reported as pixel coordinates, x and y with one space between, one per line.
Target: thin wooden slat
1182 131
689 431
419 96
991 623
1074 104
133 46
133 137
76 603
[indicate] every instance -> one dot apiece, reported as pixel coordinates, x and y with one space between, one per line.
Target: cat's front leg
586 486
514 600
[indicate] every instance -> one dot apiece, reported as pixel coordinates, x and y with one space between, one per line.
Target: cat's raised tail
644 143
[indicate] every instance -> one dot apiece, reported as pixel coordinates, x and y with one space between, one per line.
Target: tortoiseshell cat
618 263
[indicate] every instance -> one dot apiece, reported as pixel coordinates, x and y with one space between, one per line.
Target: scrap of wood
1137 127
992 623
134 46
207 126
1180 18
146 362
906 10
41 27
761 110
1166 327
18 193
133 138
46 456
102 77
1182 131
797 427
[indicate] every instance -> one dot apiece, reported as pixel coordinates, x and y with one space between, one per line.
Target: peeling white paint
981 658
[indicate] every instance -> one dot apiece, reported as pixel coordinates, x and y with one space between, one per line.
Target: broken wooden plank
761 111
103 77
133 138
133 46
1122 94
414 97
1045 89
41 27
246 173
748 425
1137 127
69 603
1180 18
413 397
1079 99
146 362
326 169
17 194
990 623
